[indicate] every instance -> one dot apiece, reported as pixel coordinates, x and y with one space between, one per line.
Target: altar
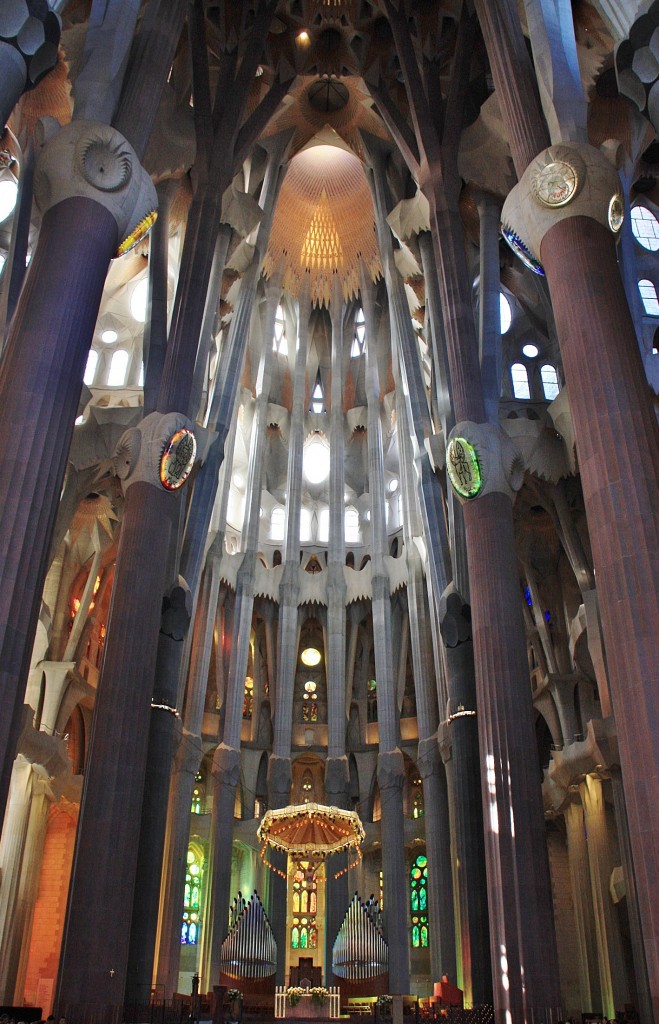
307 1005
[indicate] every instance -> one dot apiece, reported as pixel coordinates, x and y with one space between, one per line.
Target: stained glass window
197 794
191 899
304 904
417 797
248 697
419 902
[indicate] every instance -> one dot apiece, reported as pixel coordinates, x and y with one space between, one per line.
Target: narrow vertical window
359 337
118 368
549 378
520 379
419 902
90 369
191 899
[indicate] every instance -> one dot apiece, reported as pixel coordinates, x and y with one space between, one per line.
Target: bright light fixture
310 656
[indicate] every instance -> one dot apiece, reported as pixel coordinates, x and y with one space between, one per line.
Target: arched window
353 533
118 368
277 523
549 379
649 296
419 902
90 369
279 342
645 228
191 899
520 379
359 337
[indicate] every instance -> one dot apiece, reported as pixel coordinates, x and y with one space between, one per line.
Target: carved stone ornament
428 758
336 775
139 451
500 467
93 160
279 775
226 765
570 180
391 769
33 30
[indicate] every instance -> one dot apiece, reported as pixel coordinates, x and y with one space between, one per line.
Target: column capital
87 159
226 765
481 459
428 757
391 769
160 451
563 181
336 777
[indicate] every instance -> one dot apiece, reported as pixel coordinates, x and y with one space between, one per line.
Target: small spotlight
303 37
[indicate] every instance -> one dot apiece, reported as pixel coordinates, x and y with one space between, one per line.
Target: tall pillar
614 425
614 988
226 765
468 810
336 766
489 318
523 947
582 900
12 852
390 769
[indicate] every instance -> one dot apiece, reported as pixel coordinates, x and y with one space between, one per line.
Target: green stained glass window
419 901
191 899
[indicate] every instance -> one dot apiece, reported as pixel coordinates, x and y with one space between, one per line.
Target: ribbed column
468 811
40 382
441 917
226 766
489 319
94 957
525 977
582 902
616 432
336 767
12 850
15 959
390 771
614 988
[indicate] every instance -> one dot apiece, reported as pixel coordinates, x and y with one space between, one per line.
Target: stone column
226 764
489 320
15 959
468 811
12 849
336 766
106 851
435 795
614 987
390 770
614 425
584 922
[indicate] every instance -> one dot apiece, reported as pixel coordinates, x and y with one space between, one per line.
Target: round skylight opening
8 194
392 486
310 656
505 313
530 351
109 337
138 300
316 461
